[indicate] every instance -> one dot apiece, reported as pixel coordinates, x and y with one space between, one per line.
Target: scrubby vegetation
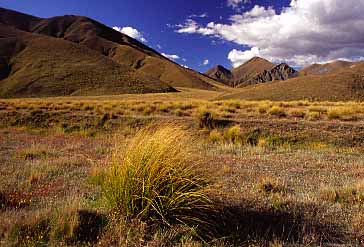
208 113
103 173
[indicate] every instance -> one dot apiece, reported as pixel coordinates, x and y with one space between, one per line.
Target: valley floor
282 173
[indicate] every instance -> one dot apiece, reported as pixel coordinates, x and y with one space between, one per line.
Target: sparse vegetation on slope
321 69
344 85
43 68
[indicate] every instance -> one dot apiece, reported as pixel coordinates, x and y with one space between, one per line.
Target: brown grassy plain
281 173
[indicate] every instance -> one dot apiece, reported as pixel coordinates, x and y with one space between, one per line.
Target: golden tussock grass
349 194
157 179
277 111
342 113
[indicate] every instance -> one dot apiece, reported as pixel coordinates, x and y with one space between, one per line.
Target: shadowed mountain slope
222 74
146 65
249 70
280 72
36 66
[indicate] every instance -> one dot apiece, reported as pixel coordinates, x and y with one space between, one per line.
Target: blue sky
230 31
155 20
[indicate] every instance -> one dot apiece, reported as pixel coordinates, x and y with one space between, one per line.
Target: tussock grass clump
319 109
36 152
298 113
263 108
277 111
312 116
215 136
342 113
234 134
64 225
156 179
205 118
352 194
271 185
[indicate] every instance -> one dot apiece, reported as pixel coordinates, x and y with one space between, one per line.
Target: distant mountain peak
280 72
256 58
220 67
256 70
220 73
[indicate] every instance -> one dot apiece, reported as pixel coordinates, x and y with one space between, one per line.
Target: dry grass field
180 170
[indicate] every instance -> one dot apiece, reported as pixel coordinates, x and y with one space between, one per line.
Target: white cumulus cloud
203 15
236 3
131 32
305 32
205 62
171 56
191 26
185 66
237 57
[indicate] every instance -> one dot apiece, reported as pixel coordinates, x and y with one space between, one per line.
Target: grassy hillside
112 44
347 84
320 69
250 69
38 66
221 74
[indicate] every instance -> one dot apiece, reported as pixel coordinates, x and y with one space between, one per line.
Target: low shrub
33 233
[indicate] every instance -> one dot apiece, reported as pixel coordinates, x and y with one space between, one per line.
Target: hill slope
280 72
247 71
321 69
112 44
256 70
346 84
36 66
222 74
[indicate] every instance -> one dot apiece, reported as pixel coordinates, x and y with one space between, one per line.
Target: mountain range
74 55
256 70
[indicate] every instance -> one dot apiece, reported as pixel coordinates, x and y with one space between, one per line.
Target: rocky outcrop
256 70
280 72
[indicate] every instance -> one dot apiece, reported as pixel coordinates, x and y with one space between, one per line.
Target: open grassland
77 172
296 121
187 104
